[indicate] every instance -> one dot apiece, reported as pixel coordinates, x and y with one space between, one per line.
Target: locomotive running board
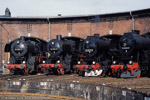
136 74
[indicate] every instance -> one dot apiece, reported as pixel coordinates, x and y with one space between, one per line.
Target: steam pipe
49 28
133 26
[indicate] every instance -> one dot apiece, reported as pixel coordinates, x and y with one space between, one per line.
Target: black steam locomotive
113 55
25 54
133 57
93 50
63 55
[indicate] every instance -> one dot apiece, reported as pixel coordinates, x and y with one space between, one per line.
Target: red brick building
82 26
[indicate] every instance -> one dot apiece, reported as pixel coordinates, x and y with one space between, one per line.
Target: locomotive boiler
25 54
63 54
93 49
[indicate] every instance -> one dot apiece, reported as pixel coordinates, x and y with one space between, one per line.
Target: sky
70 7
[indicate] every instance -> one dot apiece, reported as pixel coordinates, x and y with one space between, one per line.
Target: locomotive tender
25 54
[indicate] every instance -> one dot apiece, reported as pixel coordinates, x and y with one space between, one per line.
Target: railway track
8 76
19 77
32 77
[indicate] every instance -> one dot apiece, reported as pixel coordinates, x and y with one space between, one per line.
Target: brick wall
103 28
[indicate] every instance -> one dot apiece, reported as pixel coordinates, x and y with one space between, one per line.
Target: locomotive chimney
59 37
22 37
96 35
136 31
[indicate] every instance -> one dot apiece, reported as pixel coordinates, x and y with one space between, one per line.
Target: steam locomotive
134 55
93 50
63 55
113 55
25 54
125 55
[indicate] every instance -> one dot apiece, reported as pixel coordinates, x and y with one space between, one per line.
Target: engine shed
47 27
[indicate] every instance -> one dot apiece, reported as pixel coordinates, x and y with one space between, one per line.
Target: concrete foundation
74 89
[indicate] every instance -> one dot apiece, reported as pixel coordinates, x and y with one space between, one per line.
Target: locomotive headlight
24 62
130 62
114 62
94 62
18 42
43 62
8 62
87 41
58 61
79 62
